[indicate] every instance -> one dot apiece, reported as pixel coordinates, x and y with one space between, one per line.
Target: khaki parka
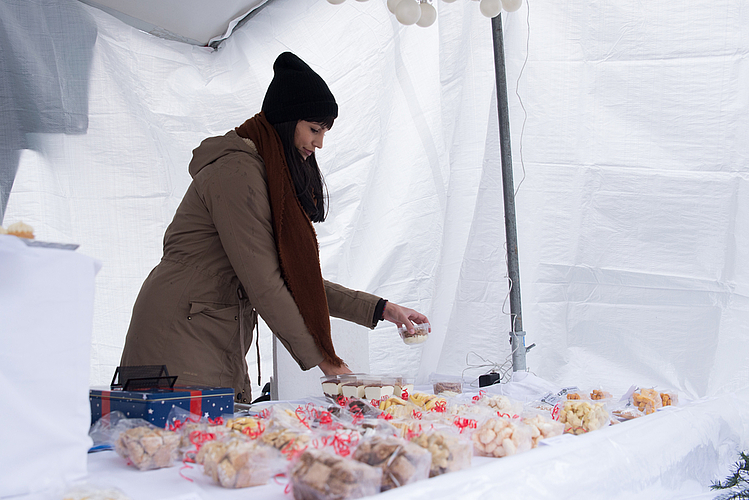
197 309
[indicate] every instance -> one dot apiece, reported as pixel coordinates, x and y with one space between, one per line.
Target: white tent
631 168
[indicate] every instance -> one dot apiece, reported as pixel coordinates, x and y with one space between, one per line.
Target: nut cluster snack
580 417
237 461
597 395
401 461
319 475
647 400
449 453
148 447
668 399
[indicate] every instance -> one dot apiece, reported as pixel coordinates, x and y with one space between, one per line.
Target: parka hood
213 148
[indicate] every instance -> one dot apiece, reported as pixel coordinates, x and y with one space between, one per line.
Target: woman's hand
329 368
403 316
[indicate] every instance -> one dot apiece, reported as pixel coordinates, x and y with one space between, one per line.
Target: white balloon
490 8
511 5
408 12
392 4
428 15
336 2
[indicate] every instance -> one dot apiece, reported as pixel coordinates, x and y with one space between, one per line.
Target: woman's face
308 136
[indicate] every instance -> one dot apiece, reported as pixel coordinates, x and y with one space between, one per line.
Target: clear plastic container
376 388
446 383
419 335
331 385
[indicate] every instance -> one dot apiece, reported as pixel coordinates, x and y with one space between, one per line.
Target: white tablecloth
673 454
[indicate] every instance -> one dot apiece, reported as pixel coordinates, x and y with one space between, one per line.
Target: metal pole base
517 341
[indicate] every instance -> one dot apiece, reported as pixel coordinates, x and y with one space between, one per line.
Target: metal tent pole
517 335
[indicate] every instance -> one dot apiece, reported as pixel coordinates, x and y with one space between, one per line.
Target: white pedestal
289 382
46 318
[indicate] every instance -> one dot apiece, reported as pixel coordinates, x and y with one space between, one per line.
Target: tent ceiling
191 21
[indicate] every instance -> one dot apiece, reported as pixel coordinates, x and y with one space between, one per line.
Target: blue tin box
154 405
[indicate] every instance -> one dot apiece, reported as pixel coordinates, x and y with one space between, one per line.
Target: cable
517 92
488 365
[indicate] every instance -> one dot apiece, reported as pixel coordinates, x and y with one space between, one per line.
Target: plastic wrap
450 451
144 445
321 475
401 461
237 461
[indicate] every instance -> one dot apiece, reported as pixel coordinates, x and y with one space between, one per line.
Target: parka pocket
215 324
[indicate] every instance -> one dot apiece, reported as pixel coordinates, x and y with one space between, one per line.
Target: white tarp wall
629 144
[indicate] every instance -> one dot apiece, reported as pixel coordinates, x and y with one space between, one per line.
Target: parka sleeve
236 196
351 305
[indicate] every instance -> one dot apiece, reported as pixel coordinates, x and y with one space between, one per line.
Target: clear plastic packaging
144 445
194 431
331 385
403 386
321 475
376 388
501 437
352 385
93 492
401 461
503 405
647 400
237 461
669 399
429 402
285 431
419 335
582 416
451 384
450 451
542 427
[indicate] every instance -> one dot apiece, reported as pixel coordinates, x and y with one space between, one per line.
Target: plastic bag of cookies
450 451
401 461
321 475
237 461
144 445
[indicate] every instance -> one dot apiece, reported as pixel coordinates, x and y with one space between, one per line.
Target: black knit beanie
297 93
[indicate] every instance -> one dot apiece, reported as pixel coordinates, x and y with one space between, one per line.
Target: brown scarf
296 240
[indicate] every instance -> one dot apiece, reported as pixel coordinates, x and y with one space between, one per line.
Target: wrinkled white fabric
628 126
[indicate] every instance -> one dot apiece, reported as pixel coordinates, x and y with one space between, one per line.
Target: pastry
21 229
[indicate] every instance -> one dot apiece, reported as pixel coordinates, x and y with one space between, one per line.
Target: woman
242 243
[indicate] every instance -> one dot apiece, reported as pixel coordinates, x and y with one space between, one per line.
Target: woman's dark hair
308 182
